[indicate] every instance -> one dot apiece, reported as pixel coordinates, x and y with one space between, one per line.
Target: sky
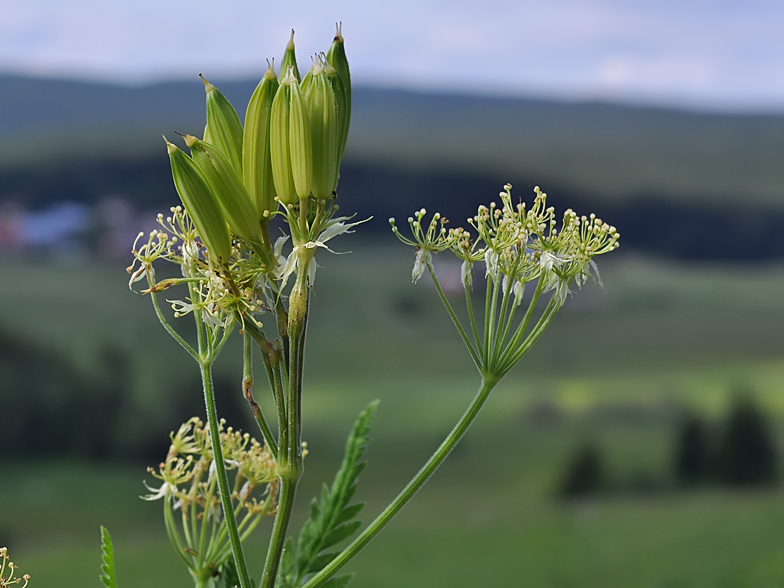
715 55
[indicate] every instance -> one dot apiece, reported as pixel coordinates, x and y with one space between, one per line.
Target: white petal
467 274
278 247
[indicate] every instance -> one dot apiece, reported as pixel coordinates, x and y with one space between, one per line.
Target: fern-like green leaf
286 571
108 577
227 575
339 582
330 521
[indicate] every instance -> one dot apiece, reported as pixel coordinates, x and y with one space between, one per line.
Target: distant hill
605 151
676 183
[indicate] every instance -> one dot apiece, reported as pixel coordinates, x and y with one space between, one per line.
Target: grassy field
617 368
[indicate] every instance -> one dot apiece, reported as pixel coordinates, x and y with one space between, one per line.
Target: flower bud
200 203
280 155
223 129
336 57
300 141
290 142
227 188
289 59
324 132
256 159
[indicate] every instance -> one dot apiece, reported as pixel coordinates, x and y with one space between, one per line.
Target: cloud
714 53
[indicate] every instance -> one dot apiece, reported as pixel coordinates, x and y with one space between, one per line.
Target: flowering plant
7 564
283 167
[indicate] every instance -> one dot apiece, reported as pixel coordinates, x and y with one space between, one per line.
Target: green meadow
618 368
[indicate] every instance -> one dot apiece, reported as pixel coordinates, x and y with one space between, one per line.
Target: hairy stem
455 320
223 481
247 392
288 491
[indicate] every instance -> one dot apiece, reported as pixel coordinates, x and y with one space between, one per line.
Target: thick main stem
247 391
288 490
290 452
411 488
223 481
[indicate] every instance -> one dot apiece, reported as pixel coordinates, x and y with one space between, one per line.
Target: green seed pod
336 57
289 59
227 187
279 144
304 85
343 108
200 203
256 160
323 116
300 141
223 129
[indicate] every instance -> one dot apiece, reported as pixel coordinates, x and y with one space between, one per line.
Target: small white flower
165 491
550 260
423 258
467 274
287 267
561 291
519 290
491 263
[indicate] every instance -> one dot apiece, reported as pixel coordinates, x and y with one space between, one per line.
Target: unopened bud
223 129
200 203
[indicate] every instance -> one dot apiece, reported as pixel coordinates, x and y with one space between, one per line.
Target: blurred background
639 444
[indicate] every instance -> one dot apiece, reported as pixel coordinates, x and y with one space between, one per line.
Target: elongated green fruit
256 159
223 129
323 116
200 203
339 95
289 59
300 141
304 85
336 57
227 188
279 144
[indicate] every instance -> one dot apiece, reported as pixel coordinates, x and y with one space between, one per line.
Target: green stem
174 536
503 325
298 320
169 329
490 328
290 454
455 320
411 488
201 579
204 521
288 490
470 308
535 333
247 391
223 480
514 341
487 326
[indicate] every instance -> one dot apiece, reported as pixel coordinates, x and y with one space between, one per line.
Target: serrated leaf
329 521
339 582
286 571
322 561
108 577
340 532
349 512
228 576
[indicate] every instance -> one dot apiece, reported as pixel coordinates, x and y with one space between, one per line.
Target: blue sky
726 55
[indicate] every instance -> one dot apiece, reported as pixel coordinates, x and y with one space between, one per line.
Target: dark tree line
741 451
652 223
48 408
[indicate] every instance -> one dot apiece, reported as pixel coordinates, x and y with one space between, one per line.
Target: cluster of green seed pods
289 151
